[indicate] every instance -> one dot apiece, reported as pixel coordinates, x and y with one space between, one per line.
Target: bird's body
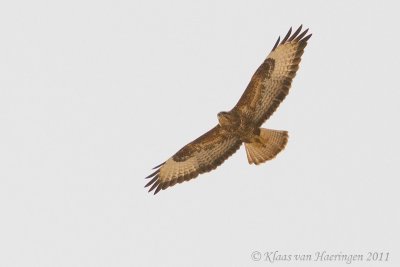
232 124
268 87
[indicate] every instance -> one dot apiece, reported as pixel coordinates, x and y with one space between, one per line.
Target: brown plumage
267 88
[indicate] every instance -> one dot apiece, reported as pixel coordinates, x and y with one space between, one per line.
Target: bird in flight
267 88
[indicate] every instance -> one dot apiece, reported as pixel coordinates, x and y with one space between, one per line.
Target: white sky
93 94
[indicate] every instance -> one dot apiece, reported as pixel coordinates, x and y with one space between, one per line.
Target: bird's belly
246 135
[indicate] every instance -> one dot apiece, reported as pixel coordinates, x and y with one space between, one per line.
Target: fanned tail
271 142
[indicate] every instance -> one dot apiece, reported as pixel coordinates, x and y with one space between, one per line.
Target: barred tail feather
272 142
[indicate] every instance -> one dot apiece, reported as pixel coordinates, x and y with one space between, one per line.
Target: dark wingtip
287 36
297 36
151 181
301 35
154 185
154 173
276 44
305 39
159 165
294 35
159 187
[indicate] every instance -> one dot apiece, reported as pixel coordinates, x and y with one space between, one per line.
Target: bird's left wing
271 82
202 155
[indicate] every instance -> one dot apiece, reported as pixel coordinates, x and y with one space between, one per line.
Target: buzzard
268 87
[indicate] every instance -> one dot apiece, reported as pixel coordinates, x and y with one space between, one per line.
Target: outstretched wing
271 82
202 155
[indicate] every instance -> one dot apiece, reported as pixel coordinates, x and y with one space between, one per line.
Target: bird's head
228 119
